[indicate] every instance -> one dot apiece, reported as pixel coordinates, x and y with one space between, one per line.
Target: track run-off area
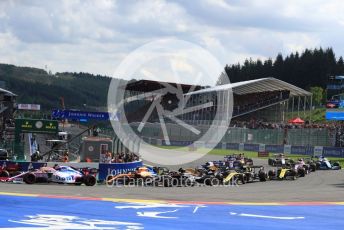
312 202
39 211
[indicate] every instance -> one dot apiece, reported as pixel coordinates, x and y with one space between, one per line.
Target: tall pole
292 108
298 107
310 109
304 105
287 111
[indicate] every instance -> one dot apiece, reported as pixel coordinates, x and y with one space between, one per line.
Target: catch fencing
297 137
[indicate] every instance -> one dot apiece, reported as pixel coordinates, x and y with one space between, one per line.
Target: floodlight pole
310 110
292 108
287 110
298 107
304 105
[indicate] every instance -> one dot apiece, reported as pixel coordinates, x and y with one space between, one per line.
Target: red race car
9 169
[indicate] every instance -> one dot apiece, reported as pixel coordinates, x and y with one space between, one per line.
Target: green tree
318 94
312 67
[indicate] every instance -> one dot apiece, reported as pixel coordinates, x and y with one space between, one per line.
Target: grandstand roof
256 86
149 86
7 93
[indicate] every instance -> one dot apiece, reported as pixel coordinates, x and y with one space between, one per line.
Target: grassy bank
317 115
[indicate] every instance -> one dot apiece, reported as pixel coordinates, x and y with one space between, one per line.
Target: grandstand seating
243 104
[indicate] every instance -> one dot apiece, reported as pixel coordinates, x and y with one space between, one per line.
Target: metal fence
298 137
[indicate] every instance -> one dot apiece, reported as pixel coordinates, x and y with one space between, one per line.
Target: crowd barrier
287 149
291 149
116 168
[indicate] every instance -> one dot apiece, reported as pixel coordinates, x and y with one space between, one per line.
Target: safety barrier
287 149
116 168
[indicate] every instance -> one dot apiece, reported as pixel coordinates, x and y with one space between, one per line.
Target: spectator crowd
122 157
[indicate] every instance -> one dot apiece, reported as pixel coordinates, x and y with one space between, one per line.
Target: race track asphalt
326 186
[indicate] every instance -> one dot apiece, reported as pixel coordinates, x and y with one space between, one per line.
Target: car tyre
262 176
90 180
29 178
4 173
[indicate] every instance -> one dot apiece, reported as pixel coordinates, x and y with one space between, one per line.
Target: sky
95 36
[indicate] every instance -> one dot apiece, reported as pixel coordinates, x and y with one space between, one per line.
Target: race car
311 163
140 176
279 160
301 168
282 173
233 177
168 178
57 174
180 178
237 161
254 173
322 163
214 175
9 169
209 176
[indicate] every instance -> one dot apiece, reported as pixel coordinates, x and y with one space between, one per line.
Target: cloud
94 36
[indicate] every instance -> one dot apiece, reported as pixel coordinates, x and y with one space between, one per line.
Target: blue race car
323 163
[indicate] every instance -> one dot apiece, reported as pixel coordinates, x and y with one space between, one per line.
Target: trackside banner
288 149
77 115
274 148
22 166
117 168
34 107
333 152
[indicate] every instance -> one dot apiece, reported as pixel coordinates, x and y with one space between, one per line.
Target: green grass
222 152
316 115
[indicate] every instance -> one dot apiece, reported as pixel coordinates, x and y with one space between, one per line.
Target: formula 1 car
254 173
282 173
142 176
9 170
57 174
237 161
323 163
181 178
279 161
311 163
302 168
207 176
167 178
214 175
233 177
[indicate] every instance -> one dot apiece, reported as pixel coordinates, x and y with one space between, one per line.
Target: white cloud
94 36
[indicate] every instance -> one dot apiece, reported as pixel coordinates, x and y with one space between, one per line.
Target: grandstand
266 99
258 107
